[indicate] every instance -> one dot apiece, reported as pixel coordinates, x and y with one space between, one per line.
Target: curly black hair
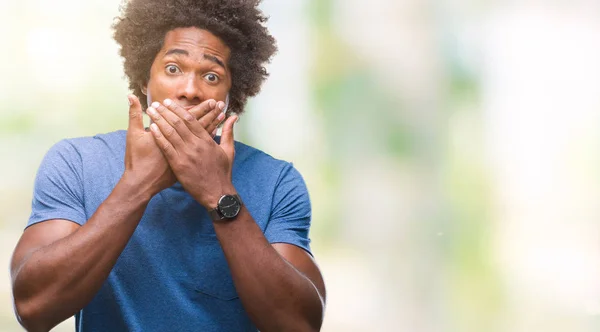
141 28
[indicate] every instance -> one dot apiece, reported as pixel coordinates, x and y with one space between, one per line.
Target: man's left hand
202 166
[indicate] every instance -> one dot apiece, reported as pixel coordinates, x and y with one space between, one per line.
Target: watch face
229 206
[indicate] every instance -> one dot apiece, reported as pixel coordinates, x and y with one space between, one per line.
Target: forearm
275 294
55 281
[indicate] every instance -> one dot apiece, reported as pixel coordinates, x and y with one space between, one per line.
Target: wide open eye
173 69
212 78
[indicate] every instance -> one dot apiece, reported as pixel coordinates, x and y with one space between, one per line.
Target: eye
173 69
212 78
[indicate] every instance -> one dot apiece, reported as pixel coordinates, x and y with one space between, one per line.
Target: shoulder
249 159
253 163
88 149
247 153
72 154
109 141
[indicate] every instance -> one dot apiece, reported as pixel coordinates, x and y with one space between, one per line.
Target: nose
190 92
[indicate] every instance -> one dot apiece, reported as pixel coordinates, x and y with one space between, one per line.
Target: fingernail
168 102
154 127
237 119
151 111
221 105
214 133
221 117
212 104
129 100
155 104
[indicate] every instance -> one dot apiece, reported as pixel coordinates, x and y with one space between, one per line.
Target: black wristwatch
228 208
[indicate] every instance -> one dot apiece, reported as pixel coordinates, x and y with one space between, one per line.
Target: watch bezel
232 209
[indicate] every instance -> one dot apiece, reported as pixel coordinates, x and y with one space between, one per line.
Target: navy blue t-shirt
172 275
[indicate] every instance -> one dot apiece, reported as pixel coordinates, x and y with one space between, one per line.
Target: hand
145 164
209 113
201 165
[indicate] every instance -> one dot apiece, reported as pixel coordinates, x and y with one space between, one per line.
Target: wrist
227 209
212 200
134 187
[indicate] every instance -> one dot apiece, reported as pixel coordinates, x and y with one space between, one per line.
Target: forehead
197 42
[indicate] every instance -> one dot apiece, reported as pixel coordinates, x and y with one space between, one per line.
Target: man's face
191 67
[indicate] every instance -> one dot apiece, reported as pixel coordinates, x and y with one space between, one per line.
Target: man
172 229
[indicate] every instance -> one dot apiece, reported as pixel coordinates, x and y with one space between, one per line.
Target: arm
58 266
60 262
279 285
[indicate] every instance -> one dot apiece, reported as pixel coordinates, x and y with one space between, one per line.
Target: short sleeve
290 217
58 187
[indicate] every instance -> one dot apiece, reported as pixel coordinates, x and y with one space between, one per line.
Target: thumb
227 143
136 119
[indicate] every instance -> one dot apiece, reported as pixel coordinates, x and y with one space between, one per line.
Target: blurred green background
451 148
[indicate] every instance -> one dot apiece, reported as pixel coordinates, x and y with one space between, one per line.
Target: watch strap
215 214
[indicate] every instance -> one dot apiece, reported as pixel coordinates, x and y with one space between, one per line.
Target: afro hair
142 25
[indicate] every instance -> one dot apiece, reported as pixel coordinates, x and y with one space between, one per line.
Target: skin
58 261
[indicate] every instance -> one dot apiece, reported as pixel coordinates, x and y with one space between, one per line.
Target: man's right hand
145 165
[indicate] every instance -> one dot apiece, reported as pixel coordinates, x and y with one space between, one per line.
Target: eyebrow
205 56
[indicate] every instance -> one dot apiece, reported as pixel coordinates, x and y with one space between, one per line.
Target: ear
145 90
